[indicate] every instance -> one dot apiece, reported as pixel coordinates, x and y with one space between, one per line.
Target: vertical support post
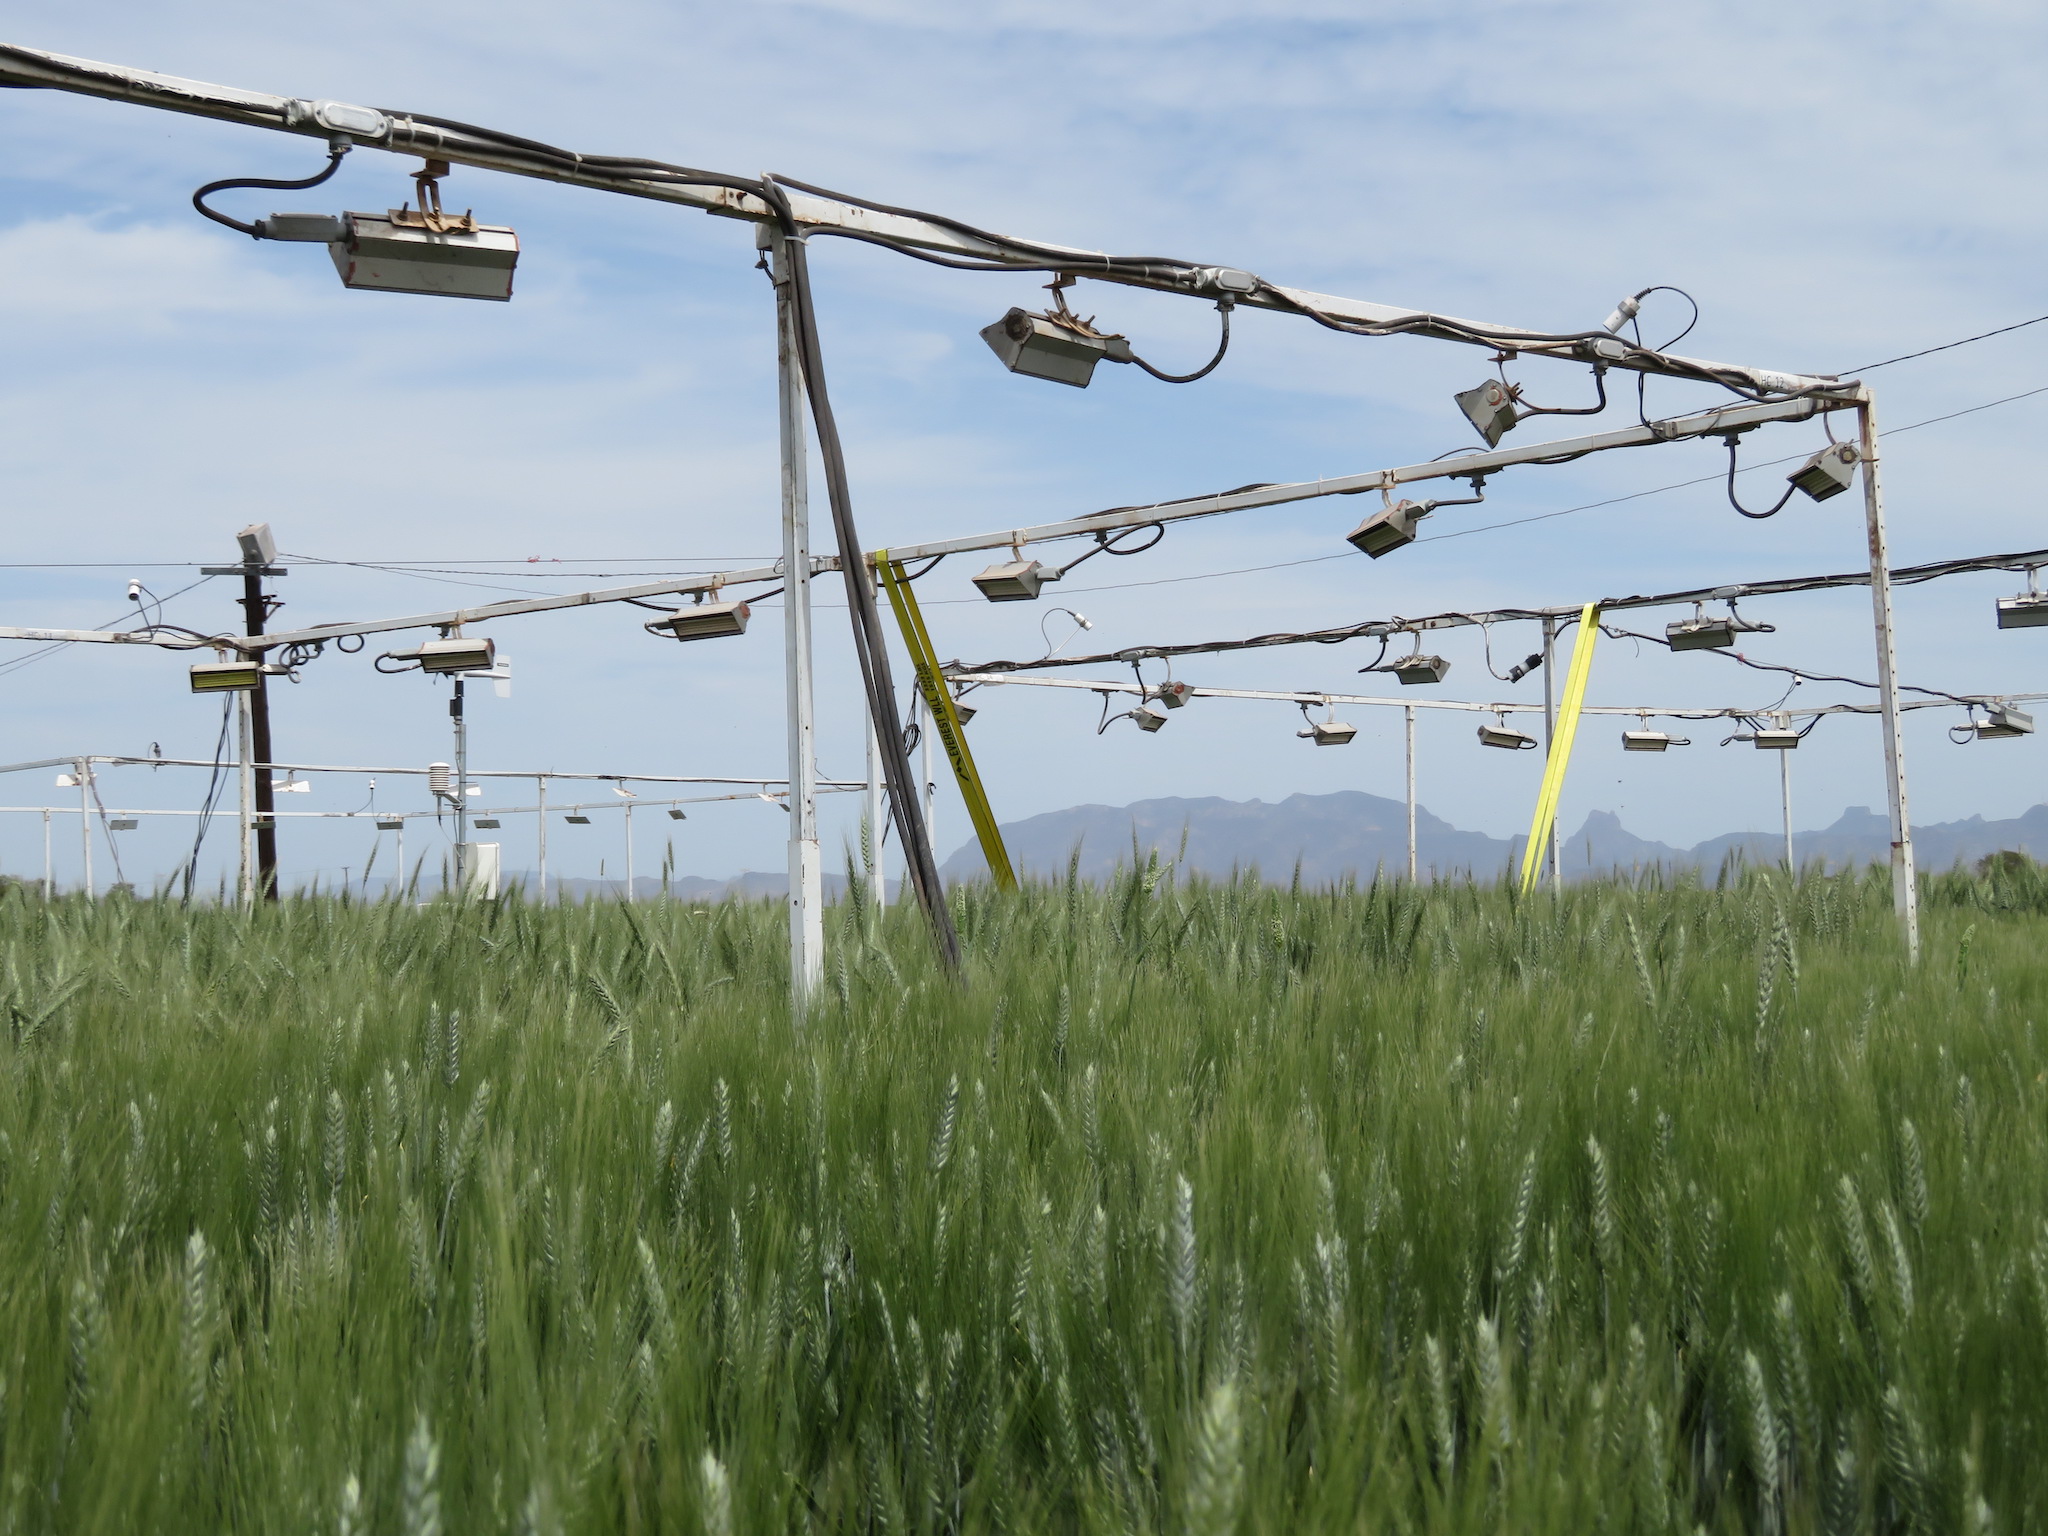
629 850
806 872
256 605
878 888
85 820
541 780
929 786
49 869
1785 797
1905 890
245 885
1409 711
1549 729
455 713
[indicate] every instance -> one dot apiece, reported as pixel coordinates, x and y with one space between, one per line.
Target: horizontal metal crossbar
1693 712
1374 629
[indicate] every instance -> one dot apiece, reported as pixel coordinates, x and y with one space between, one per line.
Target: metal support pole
1409 711
85 821
629 850
542 782
1549 730
878 887
461 772
49 869
256 606
806 872
1905 892
1785 798
931 786
245 884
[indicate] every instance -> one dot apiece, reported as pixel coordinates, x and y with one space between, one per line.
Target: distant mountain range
1353 834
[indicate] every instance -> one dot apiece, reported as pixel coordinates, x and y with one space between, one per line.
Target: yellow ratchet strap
1561 746
938 703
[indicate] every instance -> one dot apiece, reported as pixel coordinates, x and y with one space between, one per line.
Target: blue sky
1834 183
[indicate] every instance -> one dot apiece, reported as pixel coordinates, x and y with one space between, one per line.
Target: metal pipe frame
1374 629
400 133
1703 424
1659 712
114 760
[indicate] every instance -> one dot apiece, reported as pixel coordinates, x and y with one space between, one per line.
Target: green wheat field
1203 1208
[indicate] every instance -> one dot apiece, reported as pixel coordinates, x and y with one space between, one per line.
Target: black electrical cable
1800 673
1735 502
334 158
211 802
1599 385
1222 346
1907 357
870 644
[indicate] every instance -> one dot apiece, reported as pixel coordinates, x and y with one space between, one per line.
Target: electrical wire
1206 369
42 653
1907 357
211 802
334 158
1736 502
1770 666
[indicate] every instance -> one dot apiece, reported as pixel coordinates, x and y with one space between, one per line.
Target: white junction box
476 869
401 254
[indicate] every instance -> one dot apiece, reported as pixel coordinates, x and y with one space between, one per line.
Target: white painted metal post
542 781
1785 797
49 869
806 873
1409 711
85 821
1549 728
878 887
1905 891
629 850
245 888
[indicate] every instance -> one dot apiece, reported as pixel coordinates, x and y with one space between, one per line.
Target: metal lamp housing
1700 634
1506 737
1490 409
2027 611
1016 581
707 621
1649 741
1412 670
1330 733
1032 344
1148 719
1780 740
1173 695
226 676
457 655
470 261
2003 723
1828 473
1388 529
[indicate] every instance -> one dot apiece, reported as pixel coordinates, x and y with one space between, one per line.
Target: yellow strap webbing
1561 746
938 703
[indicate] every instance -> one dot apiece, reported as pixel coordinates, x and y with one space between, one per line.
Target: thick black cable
1222 346
199 198
1735 501
870 644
